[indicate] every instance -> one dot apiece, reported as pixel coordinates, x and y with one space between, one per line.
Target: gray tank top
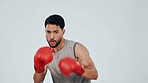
57 76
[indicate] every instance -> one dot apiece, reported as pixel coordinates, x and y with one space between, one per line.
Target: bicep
83 56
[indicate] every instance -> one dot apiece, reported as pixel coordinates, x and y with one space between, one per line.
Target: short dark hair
55 19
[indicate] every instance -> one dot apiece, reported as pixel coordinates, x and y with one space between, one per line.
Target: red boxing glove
68 65
42 57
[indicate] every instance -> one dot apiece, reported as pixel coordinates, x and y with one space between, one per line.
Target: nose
52 36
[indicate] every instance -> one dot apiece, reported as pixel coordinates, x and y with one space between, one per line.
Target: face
54 35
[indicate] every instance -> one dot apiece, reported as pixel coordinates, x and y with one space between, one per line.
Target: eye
56 32
48 31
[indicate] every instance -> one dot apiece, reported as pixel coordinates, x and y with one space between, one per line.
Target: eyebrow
56 31
53 30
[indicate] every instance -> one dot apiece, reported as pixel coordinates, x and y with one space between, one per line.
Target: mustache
52 40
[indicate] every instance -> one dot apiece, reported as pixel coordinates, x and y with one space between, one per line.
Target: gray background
114 31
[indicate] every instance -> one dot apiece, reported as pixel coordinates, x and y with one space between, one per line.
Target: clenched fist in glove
42 57
68 65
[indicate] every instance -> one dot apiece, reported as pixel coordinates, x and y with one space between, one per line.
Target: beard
57 43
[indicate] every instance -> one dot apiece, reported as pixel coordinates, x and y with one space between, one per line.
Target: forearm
39 77
90 74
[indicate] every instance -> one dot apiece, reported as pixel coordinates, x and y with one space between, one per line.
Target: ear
63 31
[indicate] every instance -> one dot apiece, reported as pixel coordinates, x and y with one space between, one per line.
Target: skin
54 36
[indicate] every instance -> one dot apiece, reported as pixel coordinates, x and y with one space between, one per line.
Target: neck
60 46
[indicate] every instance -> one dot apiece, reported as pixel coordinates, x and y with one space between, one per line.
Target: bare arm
84 59
39 77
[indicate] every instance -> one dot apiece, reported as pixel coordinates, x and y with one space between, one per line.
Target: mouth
52 42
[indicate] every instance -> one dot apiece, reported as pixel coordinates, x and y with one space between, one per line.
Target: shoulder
80 47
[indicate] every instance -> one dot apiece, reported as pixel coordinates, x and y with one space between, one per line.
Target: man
67 60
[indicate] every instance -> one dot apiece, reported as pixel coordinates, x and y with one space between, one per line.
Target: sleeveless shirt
57 76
